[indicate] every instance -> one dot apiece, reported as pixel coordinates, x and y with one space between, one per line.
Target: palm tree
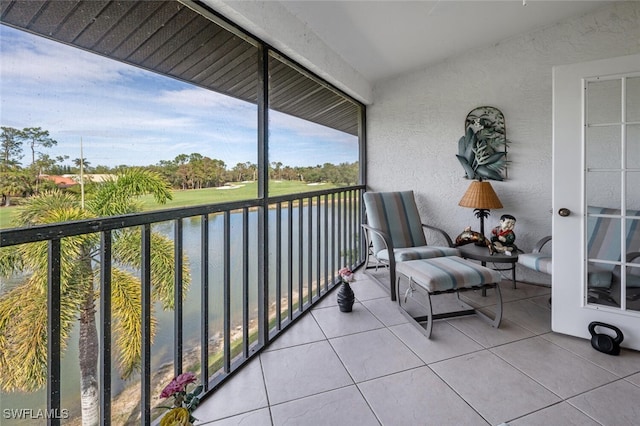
23 308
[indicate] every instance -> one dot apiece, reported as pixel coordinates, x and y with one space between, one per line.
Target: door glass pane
632 257
633 287
605 168
601 284
633 234
603 146
633 190
603 241
633 99
603 189
604 101
633 146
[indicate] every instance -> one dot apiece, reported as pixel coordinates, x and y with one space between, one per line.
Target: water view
162 349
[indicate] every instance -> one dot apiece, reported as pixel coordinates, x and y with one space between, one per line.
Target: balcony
256 266
260 328
371 367
285 353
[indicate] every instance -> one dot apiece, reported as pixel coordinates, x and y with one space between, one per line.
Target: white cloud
32 59
126 115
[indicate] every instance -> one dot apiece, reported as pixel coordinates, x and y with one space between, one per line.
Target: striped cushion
447 273
599 279
396 214
603 242
415 253
540 262
604 234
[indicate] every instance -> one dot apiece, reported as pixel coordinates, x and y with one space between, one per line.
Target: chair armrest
631 256
385 239
540 244
442 232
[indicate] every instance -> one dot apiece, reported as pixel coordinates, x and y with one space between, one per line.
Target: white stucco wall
416 120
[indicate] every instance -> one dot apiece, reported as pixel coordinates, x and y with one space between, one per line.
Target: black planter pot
345 297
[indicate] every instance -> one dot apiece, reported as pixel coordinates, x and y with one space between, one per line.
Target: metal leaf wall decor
482 150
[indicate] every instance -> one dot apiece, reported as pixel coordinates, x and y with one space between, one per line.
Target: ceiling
380 39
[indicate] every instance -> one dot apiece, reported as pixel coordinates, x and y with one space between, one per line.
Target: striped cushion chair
395 233
603 242
537 260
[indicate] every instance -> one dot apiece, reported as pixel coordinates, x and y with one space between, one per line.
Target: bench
450 274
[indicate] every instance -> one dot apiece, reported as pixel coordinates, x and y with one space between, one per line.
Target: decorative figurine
502 236
468 236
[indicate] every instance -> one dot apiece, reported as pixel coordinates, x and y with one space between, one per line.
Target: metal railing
260 264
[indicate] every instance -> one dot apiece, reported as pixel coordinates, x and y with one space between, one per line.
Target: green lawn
6 216
194 197
238 191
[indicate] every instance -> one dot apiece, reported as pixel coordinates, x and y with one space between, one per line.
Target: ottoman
451 274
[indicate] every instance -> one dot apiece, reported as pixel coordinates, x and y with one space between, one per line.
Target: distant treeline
196 171
191 171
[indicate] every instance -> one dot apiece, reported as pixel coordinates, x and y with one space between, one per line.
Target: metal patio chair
394 232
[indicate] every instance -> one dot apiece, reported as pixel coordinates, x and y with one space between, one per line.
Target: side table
481 253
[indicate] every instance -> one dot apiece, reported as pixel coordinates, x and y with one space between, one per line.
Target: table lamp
481 197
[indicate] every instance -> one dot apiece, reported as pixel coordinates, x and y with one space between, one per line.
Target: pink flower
346 274
184 379
178 384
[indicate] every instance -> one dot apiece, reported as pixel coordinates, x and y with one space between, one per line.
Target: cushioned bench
446 275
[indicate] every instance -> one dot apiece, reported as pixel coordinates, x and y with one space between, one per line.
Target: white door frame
570 313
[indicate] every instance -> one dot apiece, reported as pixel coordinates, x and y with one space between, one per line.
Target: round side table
482 254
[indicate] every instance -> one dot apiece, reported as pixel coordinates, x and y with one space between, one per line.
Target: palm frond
117 196
126 303
127 252
11 261
23 333
44 207
73 251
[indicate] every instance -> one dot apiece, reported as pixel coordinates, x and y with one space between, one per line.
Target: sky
126 115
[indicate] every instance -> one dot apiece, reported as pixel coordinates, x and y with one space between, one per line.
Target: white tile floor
372 367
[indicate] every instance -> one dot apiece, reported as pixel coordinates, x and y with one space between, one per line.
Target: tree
82 162
253 168
101 169
23 308
240 171
276 170
11 145
36 137
16 182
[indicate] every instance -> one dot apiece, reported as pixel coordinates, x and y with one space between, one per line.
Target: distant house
60 181
66 181
91 177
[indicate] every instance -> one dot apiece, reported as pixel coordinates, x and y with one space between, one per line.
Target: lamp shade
480 195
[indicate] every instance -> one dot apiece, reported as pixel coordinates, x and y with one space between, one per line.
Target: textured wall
417 119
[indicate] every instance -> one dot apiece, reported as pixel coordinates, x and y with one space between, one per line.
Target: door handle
564 212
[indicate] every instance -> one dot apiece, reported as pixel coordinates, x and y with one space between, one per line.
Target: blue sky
126 115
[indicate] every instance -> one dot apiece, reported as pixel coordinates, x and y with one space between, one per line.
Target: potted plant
184 403
346 297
